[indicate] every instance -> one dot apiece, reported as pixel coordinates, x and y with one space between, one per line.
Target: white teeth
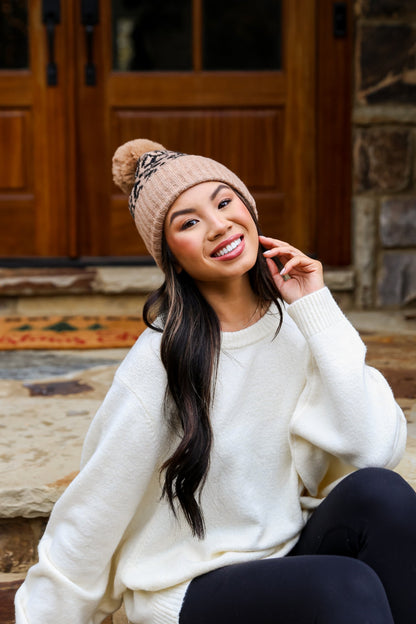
228 248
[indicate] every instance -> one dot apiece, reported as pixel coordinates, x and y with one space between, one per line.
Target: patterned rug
69 332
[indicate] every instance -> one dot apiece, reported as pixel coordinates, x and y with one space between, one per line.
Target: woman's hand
306 274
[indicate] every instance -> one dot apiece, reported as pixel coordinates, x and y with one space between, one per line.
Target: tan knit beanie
154 177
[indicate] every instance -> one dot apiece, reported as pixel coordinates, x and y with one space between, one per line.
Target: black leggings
354 563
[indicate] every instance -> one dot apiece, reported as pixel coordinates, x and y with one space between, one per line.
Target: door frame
334 93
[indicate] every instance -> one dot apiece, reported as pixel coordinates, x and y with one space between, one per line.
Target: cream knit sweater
290 415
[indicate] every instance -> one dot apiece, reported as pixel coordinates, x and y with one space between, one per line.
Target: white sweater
290 415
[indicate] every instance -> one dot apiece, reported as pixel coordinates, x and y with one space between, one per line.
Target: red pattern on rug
69 332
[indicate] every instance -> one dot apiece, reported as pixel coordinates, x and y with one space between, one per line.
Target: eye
223 203
188 224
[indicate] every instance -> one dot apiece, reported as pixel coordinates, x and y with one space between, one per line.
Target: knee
357 592
359 581
381 491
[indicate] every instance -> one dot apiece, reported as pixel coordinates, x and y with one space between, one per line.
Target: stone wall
384 144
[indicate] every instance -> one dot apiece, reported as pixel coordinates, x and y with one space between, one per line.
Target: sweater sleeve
72 581
347 413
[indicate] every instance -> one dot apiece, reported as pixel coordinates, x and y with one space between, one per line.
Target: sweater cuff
315 312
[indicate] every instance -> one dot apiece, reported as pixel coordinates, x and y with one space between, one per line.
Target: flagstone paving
47 401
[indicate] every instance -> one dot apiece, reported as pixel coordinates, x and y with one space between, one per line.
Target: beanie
154 177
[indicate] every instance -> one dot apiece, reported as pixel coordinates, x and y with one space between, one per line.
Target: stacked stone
384 127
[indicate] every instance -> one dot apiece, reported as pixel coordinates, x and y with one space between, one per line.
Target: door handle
51 16
89 19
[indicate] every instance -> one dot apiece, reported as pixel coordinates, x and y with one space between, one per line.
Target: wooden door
204 85
243 89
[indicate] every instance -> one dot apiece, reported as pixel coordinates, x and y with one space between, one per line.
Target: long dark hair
190 349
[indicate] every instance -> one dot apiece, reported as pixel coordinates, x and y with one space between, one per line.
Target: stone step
110 280
109 290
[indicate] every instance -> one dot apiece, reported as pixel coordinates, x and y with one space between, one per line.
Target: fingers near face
278 246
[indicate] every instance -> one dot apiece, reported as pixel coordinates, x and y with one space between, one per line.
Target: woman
212 484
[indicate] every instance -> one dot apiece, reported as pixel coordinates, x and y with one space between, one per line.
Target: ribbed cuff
315 312
168 603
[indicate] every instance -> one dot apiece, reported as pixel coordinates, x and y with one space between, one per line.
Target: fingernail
283 271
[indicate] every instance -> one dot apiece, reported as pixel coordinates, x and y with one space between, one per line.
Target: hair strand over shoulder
190 349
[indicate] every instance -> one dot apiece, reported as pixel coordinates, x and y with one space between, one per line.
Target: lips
227 247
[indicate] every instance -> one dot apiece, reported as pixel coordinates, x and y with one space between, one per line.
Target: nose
218 225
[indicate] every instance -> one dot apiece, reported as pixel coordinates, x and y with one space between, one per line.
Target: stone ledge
384 114
26 282
340 279
75 281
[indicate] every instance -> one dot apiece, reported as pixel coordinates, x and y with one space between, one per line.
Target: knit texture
160 176
291 414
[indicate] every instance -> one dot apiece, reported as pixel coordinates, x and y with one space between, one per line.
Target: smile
228 248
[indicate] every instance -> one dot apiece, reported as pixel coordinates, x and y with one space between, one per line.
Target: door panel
14 136
16 181
227 135
33 137
18 217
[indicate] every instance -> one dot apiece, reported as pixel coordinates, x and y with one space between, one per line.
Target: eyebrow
185 211
178 213
217 190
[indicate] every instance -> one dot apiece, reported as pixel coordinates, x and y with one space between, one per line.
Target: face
211 233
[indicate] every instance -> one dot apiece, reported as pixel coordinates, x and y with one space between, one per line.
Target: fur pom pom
125 161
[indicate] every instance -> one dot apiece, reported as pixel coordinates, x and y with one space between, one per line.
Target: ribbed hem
315 312
167 604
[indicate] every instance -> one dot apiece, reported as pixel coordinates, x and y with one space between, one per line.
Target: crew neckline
254 333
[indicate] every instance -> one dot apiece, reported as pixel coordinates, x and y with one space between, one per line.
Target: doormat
69 332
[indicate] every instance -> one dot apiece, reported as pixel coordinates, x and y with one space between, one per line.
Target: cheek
247 221
245 218
182 248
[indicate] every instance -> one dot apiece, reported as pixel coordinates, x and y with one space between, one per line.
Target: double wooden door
240 81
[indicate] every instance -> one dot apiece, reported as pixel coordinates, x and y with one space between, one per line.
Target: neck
235 304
